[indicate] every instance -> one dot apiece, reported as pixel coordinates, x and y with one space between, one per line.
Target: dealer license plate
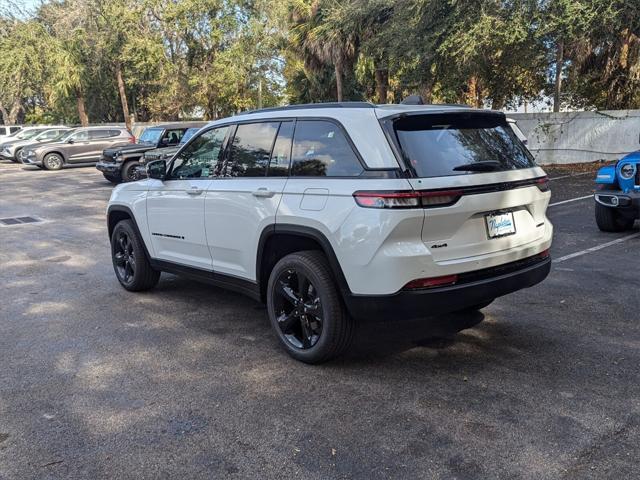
500 224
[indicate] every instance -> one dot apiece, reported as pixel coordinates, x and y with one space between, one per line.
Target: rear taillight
431 282
132 139
544 254
411 199
543 184
387 199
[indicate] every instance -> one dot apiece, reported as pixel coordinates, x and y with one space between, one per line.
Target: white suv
338 213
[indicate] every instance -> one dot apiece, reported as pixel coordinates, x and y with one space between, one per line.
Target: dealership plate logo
500 224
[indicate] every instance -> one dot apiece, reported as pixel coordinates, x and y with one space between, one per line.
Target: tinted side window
172 137
281 155
251 150
3 131
14 129
98 134
49 134
320 149
200 158
81 136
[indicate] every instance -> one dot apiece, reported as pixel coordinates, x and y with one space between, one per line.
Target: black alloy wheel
124 258
131 171
130 262
299 309
306 310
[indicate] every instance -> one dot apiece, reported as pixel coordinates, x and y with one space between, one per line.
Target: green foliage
69 60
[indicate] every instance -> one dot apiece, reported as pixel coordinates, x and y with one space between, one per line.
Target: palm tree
321 39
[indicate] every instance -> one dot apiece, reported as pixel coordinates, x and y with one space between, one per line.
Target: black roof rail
301 106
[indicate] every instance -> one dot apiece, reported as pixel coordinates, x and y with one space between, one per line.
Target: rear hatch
481 189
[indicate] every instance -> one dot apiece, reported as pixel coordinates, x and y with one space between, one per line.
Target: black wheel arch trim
306 232
127 210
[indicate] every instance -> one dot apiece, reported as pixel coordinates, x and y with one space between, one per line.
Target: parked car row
126 163
112 149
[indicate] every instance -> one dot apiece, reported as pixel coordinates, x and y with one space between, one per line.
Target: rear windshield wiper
484 166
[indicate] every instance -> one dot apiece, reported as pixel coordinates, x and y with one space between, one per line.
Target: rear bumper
476 288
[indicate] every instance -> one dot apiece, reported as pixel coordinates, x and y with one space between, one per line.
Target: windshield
188 134
151 135
27 134
64 136
438 145
52 135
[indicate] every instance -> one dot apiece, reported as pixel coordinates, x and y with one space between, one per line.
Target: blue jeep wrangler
618 194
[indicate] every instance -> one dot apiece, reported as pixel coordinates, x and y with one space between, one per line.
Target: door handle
263 193
194 191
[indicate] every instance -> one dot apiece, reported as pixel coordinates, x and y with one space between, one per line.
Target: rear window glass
460 144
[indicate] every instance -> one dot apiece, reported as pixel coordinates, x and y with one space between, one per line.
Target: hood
160 153
36 145
131 148
10 143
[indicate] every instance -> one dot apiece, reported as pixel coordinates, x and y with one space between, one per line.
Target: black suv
122 164
166 153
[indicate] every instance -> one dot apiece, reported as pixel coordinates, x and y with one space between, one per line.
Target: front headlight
628 170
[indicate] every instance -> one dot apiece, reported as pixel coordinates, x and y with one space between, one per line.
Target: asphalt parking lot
187 381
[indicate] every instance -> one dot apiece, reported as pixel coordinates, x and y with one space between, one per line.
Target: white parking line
571 175
571 200
596 248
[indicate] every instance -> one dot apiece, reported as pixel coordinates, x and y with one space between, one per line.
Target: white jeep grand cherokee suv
338 213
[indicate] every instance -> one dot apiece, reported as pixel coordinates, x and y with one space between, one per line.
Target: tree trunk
82 111
5 114
338 69
472 91
14 113
123 95
624 51
559 64
497 103
382 84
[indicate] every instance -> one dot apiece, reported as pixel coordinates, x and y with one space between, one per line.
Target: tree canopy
81 61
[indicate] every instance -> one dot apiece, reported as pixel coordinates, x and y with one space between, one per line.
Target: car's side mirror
157 169
71 140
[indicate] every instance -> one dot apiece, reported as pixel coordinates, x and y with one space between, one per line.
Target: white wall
575 137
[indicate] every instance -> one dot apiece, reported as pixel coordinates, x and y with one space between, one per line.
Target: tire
130 262
20 156
16 157
610 220
53 161
113 179
130 171
308 337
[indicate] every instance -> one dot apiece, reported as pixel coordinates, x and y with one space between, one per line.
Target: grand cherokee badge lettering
156 234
